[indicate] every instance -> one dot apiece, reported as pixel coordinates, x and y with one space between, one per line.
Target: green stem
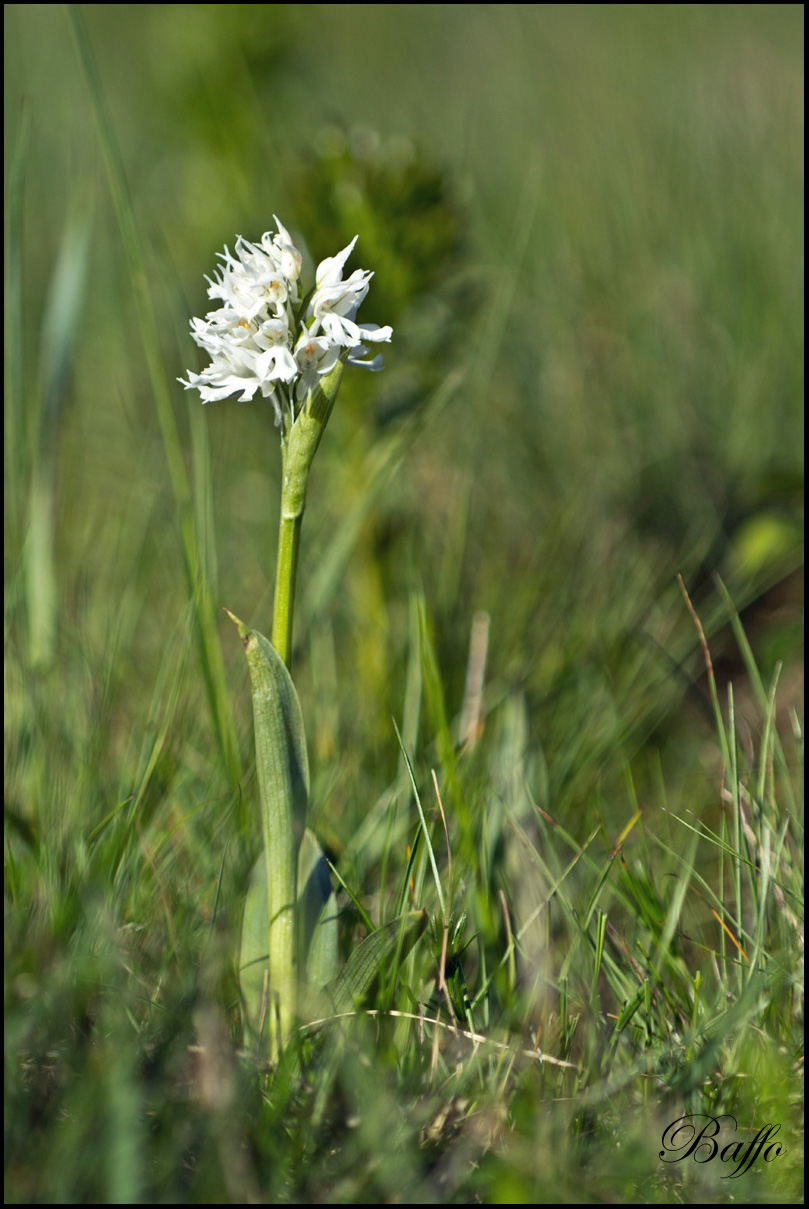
298 448
289 536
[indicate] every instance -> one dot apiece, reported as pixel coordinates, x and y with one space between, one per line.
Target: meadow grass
585 223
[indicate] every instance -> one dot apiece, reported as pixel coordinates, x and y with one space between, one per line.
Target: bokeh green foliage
585 224
413 227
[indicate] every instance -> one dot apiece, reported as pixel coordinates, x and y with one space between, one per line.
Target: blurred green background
586 227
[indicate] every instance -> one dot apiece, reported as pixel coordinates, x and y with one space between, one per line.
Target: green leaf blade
317 914
357 977
283 778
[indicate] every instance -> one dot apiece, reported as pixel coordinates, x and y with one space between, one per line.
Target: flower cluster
263 338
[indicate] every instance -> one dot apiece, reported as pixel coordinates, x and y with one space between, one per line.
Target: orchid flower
257 340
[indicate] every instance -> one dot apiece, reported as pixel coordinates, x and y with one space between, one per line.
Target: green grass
586 224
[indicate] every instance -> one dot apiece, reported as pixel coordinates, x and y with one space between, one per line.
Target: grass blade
433 864
358 975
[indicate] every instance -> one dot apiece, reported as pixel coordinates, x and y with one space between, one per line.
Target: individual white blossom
335 302
258 340
314 355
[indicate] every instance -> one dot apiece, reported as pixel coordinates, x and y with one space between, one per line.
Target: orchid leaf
317 924
317 914
283 780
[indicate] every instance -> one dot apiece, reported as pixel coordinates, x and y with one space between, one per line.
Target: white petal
331 269
375 333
